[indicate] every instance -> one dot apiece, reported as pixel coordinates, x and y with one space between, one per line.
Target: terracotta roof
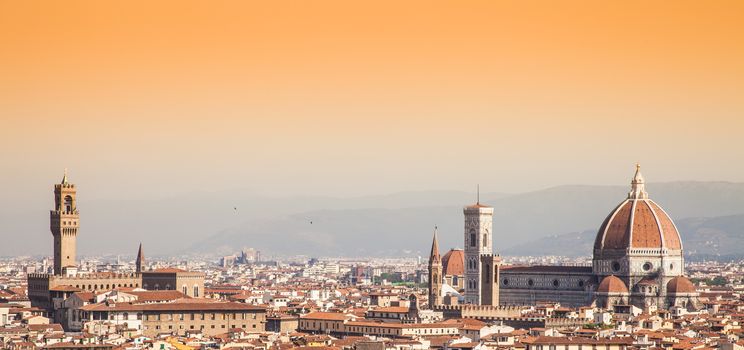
612 284
680 284
453 263
391 309
157 295
168 269
638 223
544 340
333 316
477 206
64 288
187 305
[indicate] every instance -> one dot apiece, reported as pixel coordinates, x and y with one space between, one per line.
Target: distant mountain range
389 225
523 223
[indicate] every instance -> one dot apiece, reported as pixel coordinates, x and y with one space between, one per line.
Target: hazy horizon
145 100
150 100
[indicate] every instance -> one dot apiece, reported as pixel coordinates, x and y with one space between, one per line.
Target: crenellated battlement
86 277
73 212
470 307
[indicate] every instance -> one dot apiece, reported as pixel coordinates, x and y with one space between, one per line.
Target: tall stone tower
478 242
435 273
64 224
140 260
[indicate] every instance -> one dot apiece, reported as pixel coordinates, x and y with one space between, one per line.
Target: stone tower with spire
64 224
435 273
140 259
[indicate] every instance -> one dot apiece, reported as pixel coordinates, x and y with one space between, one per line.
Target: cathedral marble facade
637 260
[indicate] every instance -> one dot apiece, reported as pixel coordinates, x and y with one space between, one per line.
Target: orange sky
353 97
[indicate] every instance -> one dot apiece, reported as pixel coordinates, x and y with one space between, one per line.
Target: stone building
478 242
435 273
188 282
210 317
48 291
638 260
64 221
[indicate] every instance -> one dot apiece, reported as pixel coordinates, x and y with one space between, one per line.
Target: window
68 203
185 290
196 291
473 238
485 240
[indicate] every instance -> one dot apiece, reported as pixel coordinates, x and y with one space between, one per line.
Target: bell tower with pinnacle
64 222
435 273
478 242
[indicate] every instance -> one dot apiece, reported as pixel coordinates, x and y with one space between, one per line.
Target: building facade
637 260
478 242
48 291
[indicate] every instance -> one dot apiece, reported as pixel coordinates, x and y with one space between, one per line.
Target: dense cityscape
372 175
630 294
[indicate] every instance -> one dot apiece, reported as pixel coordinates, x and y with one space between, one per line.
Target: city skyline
372 175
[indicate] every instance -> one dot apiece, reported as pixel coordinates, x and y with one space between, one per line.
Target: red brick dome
612 284
453 263
680 284
638 222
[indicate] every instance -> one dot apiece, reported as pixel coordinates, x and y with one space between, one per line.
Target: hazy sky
153 98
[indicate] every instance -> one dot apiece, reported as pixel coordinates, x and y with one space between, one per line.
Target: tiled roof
184 305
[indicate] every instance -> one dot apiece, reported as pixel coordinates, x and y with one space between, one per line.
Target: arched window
196 291
485 240
185 290
473 238
68 203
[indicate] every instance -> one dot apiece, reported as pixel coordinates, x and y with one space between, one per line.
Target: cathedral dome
638 223
612 284
453 263
680 284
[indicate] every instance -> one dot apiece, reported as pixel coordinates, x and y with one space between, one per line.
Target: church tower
64 224
140 260
435 274
478 242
